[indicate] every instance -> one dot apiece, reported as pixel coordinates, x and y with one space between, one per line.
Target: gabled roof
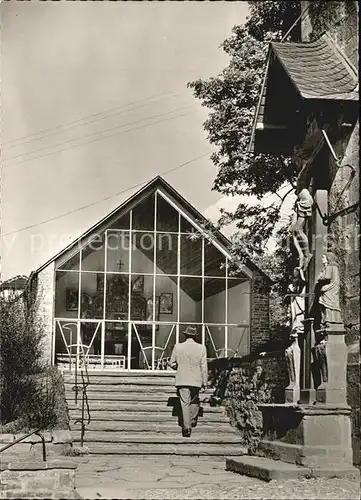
157 183
16 283
317 69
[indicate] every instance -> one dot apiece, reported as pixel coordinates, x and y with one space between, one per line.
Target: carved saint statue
329 299
297 300
293 361
303 210
293 354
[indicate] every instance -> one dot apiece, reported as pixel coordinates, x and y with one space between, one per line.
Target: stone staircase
133 413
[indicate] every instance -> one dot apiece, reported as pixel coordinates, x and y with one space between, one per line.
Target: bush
31 394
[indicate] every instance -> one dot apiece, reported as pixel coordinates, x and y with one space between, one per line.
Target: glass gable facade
125 297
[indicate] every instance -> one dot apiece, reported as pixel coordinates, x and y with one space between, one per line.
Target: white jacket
190 360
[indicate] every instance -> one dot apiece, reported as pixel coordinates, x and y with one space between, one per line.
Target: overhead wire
87 119
95 134
139 184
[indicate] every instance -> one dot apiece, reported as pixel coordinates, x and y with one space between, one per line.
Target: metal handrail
37 432
85 381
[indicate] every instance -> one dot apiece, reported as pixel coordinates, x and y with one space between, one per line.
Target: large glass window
66 294
70 264
143 252
117 293
122 222
214 261
167 216
166 290
152 267
143 214
190 300
142 297
238 301
118 245
191 255
167 253
214 300
93 254
92 295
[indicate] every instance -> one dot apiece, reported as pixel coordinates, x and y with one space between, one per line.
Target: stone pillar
307 393
333 364
318 248
293 358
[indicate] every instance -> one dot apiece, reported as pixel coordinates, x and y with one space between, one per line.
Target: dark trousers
189 400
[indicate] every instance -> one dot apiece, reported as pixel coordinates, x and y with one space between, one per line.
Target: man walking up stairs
190 360
135 413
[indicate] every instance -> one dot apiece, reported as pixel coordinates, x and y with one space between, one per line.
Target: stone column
293 357
333 363
318 248
307 393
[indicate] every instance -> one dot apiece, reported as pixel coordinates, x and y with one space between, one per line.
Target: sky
94 101
94 104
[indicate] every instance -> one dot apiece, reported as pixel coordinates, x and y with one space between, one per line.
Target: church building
121 295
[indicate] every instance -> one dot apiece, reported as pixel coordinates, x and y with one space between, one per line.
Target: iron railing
37 432
81 387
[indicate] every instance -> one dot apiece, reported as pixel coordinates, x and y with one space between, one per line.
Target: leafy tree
31 393
232 97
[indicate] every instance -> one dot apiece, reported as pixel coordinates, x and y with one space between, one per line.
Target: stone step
135 397
267 469
124 373
137 406
142 416
155 438
185 448
169 426
121 380
131 388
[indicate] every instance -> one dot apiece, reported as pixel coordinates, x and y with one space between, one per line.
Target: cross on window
120 264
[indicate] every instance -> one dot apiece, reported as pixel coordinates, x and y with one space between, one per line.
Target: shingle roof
318 69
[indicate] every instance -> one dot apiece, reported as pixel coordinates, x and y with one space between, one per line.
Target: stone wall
57 442
275 376
260 321
54 479
45 296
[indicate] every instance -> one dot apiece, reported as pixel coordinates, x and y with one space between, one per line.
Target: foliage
31 393
232 97
241 385
245 391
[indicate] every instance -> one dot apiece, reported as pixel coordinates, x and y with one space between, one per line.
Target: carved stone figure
329 298
293 362
303 210
297 300
320 350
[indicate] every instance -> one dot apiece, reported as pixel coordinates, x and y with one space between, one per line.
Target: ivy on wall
242 386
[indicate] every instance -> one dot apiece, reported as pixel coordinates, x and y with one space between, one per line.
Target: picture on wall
138 284
166 303
71 299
